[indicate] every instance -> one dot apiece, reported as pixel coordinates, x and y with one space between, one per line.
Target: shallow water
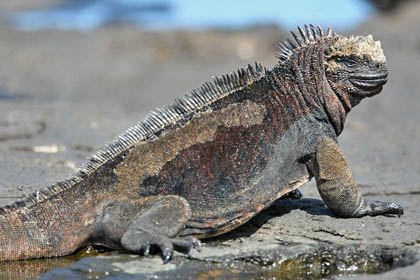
31 269
319 263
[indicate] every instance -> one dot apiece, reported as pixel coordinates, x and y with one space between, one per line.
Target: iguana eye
349 63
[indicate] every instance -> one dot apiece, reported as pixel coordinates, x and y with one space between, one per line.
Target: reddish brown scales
28 233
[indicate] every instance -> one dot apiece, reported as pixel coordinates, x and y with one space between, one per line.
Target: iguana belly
238 191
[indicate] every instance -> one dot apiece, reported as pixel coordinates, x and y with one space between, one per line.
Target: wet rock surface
253 260
65 94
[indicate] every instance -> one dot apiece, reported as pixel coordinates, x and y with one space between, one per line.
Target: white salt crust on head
359 46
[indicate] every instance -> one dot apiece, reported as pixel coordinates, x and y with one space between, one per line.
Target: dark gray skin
214 159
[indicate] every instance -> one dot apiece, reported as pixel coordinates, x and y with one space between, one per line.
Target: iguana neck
337 104
304 75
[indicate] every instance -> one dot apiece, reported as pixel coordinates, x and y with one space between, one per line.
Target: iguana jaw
370 84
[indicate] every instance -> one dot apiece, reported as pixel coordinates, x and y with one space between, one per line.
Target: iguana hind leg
137 225
337 188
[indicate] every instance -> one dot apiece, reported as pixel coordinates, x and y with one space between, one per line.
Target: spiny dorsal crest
310 35
149 127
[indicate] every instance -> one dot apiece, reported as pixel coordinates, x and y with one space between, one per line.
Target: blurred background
189 14
75 73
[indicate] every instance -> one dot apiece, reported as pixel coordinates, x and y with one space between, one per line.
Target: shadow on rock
281 207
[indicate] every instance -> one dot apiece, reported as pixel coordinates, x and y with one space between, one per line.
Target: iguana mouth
371 82
372 76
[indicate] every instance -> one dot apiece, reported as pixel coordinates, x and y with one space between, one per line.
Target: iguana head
335 71
356 67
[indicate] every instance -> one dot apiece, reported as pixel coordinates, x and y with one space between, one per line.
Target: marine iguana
214 158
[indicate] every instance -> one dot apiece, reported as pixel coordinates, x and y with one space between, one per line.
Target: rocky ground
65 94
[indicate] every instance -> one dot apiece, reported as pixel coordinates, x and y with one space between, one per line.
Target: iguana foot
296 194
375 208
139 241
140 224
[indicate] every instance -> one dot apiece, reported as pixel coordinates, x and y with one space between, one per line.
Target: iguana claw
198 245
167 254
146 250
195 242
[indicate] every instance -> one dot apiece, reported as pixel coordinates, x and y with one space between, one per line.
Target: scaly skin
214 159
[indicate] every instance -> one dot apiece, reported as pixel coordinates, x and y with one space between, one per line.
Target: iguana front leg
136 225
337 188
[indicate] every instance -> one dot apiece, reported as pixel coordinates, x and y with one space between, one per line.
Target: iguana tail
50 228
